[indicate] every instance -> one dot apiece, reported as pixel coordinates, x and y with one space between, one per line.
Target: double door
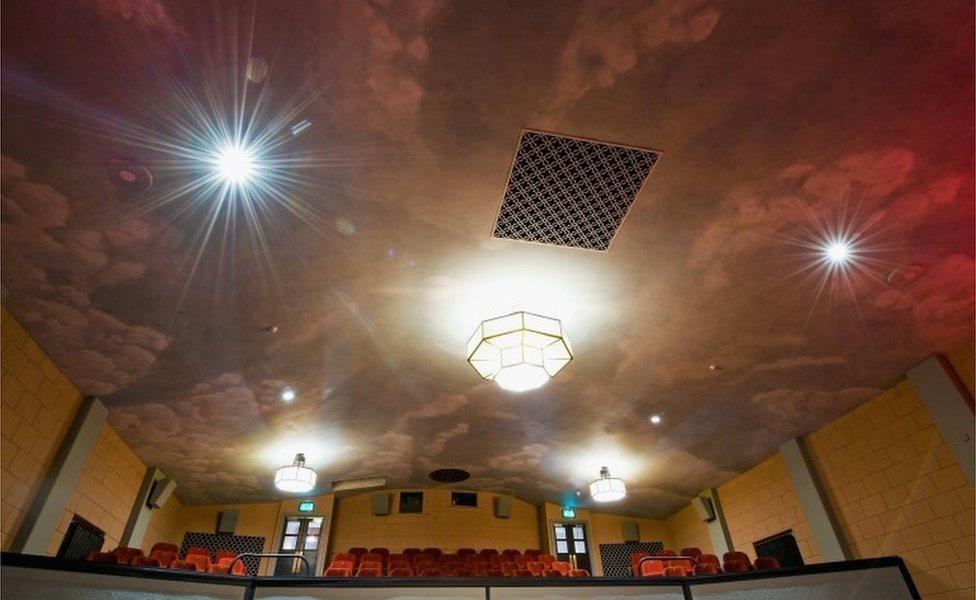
301 537
572 545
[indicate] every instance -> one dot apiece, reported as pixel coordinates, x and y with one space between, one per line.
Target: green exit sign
306 506
569 512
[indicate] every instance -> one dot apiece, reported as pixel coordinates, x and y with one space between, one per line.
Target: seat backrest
532 553
466 552
546 559
433 552
523 561
102 557
411 552
201 561
666 552
508 568
164 547
536 568
706 569
125 554
358 551
342 564
687 564
198 550
736 555
371 558
430 572
401 572
220 554
652 568
675 571
165 557
184 565
489 552
367 571
560 566
691 551
709 558
735 566
766 562
510 553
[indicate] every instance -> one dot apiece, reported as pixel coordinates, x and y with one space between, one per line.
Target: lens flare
235 164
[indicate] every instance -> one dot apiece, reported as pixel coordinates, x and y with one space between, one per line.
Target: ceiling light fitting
296 477
520 351
606 488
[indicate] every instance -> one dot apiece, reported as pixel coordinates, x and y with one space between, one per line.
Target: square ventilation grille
568 191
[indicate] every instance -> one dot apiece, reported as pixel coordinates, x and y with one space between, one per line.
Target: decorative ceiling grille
567 191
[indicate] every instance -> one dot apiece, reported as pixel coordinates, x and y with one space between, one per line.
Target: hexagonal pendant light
520 351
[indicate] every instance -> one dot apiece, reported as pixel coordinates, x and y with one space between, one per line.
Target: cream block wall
688 531
761 502
897 489
106 490
440 525
165 525
37 405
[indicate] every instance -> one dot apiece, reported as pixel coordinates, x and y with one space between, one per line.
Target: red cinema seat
201 561
430 572
739 556
339 568
652 568
411 552
435 552
102 557
198 550
223 566
480 570
532 554
536 568
706 569
184 565
684 563
666 552
508 568
371 558
522 561
675 572
165 558
735 566
522 573
358 551
488 553
560 567
144 561
546 559
124 555
462 552
709 559
397 556
579 573
399 563
370 570
691 551
401 572
164 547
509 554
634 559
765 563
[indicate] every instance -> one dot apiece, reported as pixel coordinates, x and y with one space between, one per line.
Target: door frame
323 552
587 533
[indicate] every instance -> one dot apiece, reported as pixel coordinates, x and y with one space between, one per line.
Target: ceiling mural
355 269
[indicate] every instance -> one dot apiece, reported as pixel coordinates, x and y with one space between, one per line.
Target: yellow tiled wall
165 524
897 489
106 490
37 405
761 502
688 531
440 525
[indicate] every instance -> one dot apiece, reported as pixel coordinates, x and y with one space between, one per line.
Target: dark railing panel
591 592
267 590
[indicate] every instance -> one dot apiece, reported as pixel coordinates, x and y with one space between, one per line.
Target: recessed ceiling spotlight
129 175
287 394
656 419
235 164
837 252
714 367
270 329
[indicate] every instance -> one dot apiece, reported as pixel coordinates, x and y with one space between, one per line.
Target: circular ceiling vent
449 475
129 175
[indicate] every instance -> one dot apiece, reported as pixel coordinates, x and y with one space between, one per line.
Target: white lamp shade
296 477
606 488
520 351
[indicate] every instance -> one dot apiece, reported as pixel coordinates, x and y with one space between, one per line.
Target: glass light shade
520 351
295 477
606 488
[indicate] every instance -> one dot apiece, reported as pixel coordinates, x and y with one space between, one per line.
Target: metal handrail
308 568
644 559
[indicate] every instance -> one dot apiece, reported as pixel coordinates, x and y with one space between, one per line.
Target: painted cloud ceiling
358 277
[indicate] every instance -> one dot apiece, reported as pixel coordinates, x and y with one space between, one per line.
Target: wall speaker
503 507
704 508
162 489
227 522
381 504
630 531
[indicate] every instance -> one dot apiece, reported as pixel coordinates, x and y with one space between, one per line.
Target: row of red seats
691 561
432 562
166 556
